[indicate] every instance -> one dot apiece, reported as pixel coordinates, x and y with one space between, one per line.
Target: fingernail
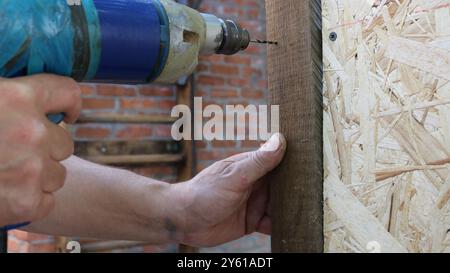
273 144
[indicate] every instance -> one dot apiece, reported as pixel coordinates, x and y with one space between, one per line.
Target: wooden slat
130 152
102 148
107 246
136 159
295 83
184 97
122 118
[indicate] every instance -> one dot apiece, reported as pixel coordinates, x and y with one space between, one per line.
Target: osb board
387 125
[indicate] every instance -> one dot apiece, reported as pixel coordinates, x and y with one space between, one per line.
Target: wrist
176 212
184 197
165 209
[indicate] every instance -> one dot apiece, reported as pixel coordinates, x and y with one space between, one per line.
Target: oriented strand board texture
387 125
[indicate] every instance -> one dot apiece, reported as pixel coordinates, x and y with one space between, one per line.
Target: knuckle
35 132
32 169
24 208
15 92
73 90
72 99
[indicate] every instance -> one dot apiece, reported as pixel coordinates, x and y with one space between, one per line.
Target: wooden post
295 83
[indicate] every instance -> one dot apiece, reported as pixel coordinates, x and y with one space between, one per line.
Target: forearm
106 203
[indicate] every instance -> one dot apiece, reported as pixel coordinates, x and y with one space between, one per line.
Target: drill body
112 41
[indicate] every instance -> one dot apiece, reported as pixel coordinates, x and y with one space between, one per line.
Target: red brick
201 92
28 236
252 94
134 132
250 71
252 14
41 248
21 235
210 80
115 90
263 84
251 144
238 59
15 245
94 103
92 132
239 82
202 67
162 131
253 50
207 155
248 3
137 103
224 93
224 69
146 90
253 26
224 144
231 10
166 104
201 144
88 89
212 59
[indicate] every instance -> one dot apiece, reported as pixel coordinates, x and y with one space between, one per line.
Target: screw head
333 36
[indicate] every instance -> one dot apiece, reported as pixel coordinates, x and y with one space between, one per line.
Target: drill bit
264 42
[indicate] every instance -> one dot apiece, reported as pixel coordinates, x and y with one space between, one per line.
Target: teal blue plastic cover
37 36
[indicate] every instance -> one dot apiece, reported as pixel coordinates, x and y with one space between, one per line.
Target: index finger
56 94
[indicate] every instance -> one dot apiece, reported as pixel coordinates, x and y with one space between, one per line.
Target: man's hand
31 146
231 198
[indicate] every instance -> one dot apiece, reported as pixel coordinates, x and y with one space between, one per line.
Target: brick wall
125 99
222 80
238 79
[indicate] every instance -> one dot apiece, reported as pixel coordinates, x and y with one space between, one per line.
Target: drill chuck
224 36
235 39
114 41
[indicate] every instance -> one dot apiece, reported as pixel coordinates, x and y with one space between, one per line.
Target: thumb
257 164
